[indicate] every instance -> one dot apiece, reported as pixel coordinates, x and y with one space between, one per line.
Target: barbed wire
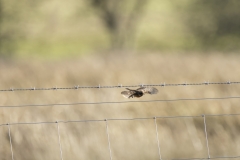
122 119
118 86
109 102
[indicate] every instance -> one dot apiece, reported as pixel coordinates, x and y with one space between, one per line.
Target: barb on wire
119 86
108 102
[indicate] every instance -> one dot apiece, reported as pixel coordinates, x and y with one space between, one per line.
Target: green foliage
215 23
11 31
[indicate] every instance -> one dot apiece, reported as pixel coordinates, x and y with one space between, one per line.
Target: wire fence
108 135
108 102
119 86
126 119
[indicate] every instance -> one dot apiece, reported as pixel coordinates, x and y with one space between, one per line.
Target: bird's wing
148 90
126 94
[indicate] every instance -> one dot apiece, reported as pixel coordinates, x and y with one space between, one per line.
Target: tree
120 18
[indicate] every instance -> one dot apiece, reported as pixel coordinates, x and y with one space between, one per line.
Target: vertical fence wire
10 140
159 150
108 135
205 129
109 144
59 141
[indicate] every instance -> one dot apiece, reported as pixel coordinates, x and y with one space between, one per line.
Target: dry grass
179 138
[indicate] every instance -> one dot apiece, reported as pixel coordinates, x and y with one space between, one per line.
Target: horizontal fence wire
127 119
136 101
122 119
118 86
118 119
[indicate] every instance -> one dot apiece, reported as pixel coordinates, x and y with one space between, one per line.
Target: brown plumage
139 92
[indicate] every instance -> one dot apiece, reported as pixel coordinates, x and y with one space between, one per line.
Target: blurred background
58 43
58 28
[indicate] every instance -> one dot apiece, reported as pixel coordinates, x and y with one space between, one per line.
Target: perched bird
131 93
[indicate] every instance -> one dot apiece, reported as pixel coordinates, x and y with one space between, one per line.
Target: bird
131 93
